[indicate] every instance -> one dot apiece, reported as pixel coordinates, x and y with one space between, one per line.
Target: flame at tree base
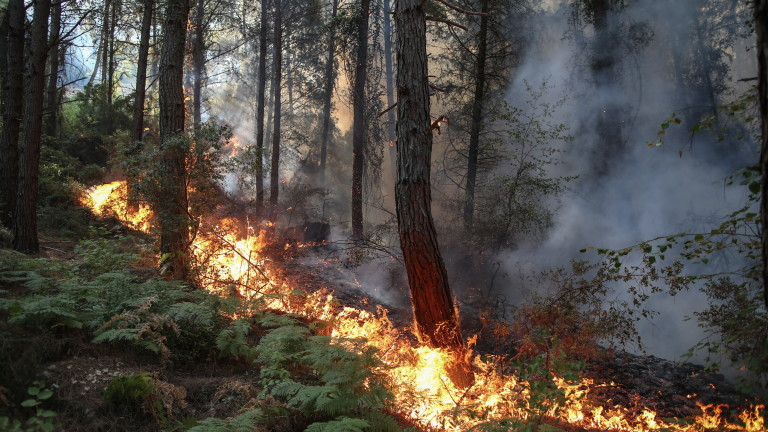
227 256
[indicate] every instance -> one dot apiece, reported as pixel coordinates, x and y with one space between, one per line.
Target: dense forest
383 215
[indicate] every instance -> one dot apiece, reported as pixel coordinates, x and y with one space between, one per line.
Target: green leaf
754 187
45 394
29 403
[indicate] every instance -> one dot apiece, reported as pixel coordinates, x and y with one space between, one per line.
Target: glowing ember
229 256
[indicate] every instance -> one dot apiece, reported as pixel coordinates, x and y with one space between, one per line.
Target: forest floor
198 387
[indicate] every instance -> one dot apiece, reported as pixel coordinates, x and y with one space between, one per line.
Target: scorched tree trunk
433 309
172 197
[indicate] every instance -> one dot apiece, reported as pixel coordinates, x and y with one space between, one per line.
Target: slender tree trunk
271 102
433 309
359 124
111 58
198 63
53 78
105 40
172 200
477 118
97 63
137 129
761 28
12 116
4 29
288 74
389 75
330 79
260 107
25 222
604 73
274 186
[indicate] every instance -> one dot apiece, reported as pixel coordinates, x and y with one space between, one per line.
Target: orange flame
229 256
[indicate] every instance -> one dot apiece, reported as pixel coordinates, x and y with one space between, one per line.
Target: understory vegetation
50 307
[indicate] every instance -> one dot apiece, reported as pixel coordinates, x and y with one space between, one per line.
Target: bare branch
458 9
445 21
387 110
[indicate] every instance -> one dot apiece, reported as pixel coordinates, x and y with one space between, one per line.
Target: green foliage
322 376
203 153
242 423
101 256
231 341
131 389
93 115
724 263
43 421
60 183
166 318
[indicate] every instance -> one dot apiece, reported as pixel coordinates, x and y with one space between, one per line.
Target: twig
387 110
53 249
445 21
458 9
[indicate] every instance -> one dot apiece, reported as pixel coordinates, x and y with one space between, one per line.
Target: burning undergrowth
544 386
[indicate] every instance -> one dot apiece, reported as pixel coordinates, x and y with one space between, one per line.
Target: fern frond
381 422
232 341
200 316
274 320
343 424
245 422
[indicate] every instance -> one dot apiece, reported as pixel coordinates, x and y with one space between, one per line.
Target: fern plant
332 380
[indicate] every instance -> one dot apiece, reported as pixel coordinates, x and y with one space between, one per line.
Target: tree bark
330 80
359 124
105 41
172 198
389 77
12 116
25 221
198 63
137 129
111 65
761 29
260 107
477 118
274 186
52 96
433 309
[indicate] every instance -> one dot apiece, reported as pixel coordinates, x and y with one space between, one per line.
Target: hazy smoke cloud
648 191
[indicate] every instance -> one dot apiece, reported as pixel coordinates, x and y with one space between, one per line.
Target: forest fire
228 255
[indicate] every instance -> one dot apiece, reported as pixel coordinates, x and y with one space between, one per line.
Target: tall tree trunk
271 102
105 40
198 63
52 98
433 309
330 79
389 76
359 123
4 29
137 128
111 58
761 28
477 118
172 200
288 74
604 73
260 107
274 186
25 221
96 64
12 116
